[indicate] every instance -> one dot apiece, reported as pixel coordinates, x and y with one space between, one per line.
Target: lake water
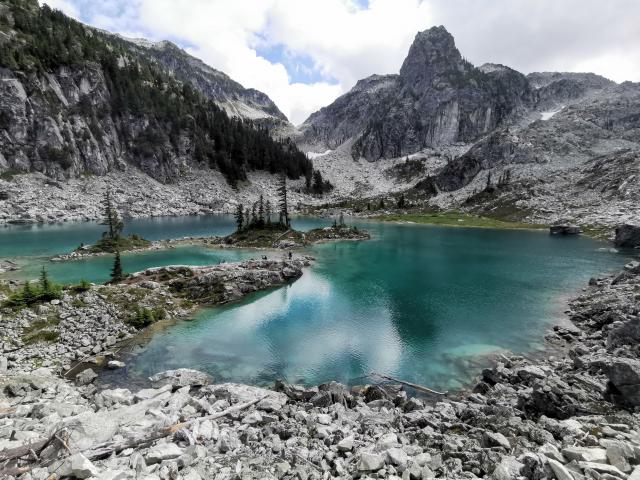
422 303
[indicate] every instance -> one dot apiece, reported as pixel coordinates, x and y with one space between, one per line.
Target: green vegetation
112 240
33 294
41 336
39 331
117 275
457 219
122 244
81 287
143 317
8 175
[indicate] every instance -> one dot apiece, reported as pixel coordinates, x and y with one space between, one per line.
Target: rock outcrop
437 99
627 236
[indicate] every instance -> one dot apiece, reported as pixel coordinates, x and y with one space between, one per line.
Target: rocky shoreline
568 417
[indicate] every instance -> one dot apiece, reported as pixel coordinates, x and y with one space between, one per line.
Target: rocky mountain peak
432 56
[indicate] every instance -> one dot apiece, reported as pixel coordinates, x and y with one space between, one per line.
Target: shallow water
421 303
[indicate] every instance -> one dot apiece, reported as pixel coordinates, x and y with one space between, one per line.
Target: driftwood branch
103 450
420 388
17 452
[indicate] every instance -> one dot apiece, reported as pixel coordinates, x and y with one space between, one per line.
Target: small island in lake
256 229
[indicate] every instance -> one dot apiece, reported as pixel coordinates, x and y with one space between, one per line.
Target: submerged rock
181 377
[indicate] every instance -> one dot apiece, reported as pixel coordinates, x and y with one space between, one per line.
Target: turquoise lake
426 304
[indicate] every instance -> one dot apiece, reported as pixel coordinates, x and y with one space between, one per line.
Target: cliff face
437 99
77 101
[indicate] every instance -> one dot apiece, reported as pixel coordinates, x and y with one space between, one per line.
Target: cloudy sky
305 53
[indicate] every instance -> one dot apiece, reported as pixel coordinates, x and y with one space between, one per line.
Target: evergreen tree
341 223
45 284
28 293
116 272
254 215
381 204
111 217
239 216
282 203
401 201
267 212
261 212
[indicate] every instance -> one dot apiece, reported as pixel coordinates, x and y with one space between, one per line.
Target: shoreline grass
458 219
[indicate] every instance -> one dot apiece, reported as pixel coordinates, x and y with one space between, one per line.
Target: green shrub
83 286
143 317
43 291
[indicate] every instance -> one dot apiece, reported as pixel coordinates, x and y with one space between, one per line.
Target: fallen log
415 386
104 450
17 452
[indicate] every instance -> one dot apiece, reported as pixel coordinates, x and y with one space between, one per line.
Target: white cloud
346 42
65 6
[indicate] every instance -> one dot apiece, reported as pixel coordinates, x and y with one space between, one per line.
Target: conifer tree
116 272
401 201
261 212
239 216
254 215
45 284
282 203
381 205
28 294
111 217
341 223
267 212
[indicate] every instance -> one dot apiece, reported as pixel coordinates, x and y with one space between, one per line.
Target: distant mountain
236 100
437 99
542 147
75 101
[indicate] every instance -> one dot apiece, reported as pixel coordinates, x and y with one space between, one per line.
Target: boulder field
570 415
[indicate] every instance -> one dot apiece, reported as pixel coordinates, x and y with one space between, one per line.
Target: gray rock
491 439
508 469
624 376
346 444
181 377
78 466
115 364
161 452
627 236
559 470
85 377
585 454
370 462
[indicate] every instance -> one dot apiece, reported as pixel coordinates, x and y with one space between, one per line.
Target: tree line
140 88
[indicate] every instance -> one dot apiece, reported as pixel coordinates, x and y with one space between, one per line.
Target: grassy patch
8 175
123 244
458 219
596 231
41 336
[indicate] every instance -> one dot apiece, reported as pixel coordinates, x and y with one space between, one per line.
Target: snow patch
548 114
313 155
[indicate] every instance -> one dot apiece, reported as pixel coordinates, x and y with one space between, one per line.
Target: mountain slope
438 98
232 97
76 101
